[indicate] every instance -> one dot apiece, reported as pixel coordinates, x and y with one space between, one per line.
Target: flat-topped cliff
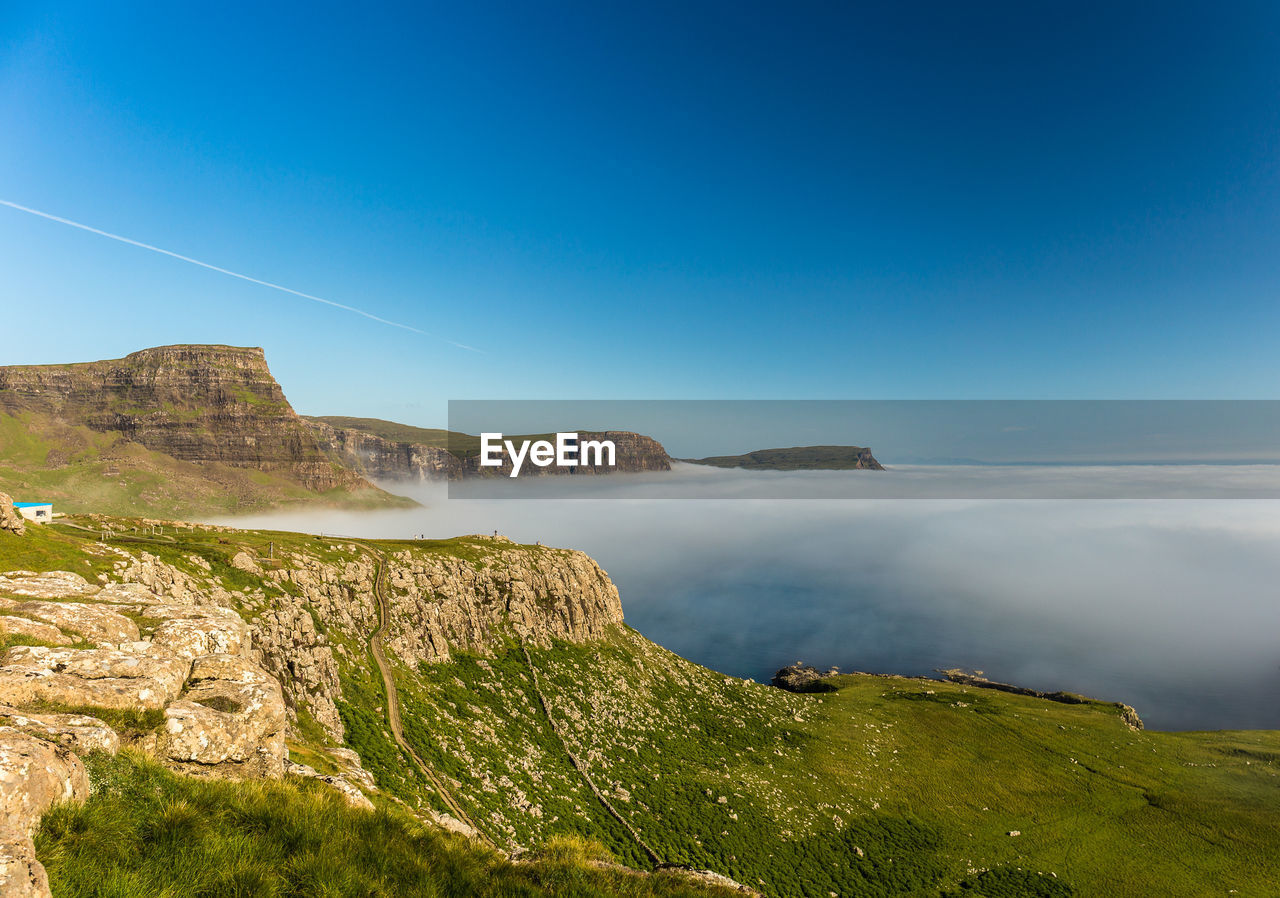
196 403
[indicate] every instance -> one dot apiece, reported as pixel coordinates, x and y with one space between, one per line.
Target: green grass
81 470
147 832
926 778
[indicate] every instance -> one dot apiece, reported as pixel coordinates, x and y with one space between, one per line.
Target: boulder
78 732
800 677
230 721
99 624
11 625
21 875
104 678
47 585
190 631
34 775
10 520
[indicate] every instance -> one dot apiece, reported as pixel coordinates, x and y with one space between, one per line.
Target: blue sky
687 200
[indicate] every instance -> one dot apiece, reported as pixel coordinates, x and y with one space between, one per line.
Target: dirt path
393 697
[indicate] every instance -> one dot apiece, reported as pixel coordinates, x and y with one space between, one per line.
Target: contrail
234 274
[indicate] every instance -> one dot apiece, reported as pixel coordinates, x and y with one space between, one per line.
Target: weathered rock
76 731
189 632
385 459
21 875
100 624
244 561
442 602
103 678
350 793
34 774
46 585
22 626
230 721
800 677
10 519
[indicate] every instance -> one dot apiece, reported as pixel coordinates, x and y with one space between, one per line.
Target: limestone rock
189 632
21 875
230 721
11 625
47 585
104 678
97 623
350 793
76 731
9 518
34 774
244 561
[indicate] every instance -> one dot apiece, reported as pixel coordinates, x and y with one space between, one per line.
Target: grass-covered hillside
79 469
148 832
881 786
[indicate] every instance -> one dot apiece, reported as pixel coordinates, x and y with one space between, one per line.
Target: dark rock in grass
800 677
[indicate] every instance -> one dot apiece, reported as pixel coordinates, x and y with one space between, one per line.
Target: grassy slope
925 778
83 470
147 832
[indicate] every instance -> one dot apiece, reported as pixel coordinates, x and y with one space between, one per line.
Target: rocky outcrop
10 520
78 732
384 459
956 675
195 403
442 603
34 775
101 678
800 677
230 720
797 458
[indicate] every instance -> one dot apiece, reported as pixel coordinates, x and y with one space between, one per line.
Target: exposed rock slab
104 678
189 632
78 732
46 585
350 793
11 625
99 624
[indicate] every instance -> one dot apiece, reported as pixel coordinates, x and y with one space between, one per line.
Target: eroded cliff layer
196 403
381 458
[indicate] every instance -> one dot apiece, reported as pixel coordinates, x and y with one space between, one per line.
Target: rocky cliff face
381 459
195 403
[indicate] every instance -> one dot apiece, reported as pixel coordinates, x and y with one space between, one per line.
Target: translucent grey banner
863 449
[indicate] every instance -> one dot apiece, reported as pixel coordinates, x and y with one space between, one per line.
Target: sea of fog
1169 604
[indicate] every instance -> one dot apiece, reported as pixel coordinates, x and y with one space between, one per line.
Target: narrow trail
582 768
393 697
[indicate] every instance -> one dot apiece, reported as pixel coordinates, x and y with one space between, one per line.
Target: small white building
36 512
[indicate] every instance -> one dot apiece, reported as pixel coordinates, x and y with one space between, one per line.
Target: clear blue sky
686 200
